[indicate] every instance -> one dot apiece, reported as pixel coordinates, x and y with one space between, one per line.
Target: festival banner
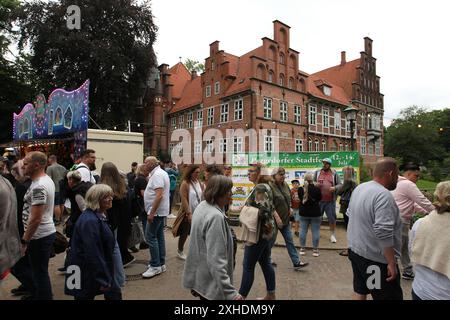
295 164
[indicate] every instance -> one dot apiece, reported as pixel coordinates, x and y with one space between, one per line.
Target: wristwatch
23 241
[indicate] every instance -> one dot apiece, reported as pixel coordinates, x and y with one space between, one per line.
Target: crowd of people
114 214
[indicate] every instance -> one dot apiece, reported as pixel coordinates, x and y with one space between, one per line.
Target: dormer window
327 90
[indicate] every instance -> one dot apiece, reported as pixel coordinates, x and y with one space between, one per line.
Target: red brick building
265 89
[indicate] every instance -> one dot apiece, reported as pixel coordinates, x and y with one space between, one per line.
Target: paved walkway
327 277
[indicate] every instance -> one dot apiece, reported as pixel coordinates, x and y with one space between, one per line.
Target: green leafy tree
194 65
414 137
113 49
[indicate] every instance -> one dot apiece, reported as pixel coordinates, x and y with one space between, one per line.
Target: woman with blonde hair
429 249
310 214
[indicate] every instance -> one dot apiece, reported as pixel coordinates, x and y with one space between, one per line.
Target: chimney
343 59
193 74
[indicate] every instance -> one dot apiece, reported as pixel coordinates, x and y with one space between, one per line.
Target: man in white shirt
157 206
87 165
40 231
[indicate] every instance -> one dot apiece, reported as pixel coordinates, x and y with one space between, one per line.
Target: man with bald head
37 216
374 235
157 206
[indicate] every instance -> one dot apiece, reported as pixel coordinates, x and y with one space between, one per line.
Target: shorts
296 215
330 210
57 201
364 274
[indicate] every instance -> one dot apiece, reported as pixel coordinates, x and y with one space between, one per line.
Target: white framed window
270 79
281 80
346 147
223 145
238 145
291 83
377 148
198 146
224 112
173 122
310 145
370 149
190 117
267 108
199 122
326 90
217 87
208 91
209 145
341 147
283 111
363 120
213 64
298 114
337 120
312 115
268 143
210 118
181 121
362 141
324 145
171 145
298 145
326 118
238 109
316 144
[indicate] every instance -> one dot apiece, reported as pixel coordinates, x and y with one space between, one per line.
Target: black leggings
185 230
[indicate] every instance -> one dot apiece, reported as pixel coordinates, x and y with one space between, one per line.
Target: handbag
177 223
137 234
60 244
250 223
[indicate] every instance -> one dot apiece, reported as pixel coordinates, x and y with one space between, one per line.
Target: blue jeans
119 272
259 252
330 210
290 246
154 233
38 253
315 227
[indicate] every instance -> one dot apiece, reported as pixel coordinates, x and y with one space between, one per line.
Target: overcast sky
410 38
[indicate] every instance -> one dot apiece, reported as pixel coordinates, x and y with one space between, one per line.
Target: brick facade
269 76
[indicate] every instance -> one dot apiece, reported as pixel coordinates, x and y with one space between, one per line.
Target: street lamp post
350 114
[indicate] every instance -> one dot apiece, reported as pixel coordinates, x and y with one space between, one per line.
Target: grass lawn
426 185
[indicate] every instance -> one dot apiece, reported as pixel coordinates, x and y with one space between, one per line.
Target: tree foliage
194 65
113 49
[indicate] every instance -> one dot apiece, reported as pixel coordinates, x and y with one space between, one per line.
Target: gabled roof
338 94
179 77
244 72
342 75
191 95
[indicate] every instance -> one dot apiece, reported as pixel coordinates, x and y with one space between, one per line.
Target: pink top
325 180
409 199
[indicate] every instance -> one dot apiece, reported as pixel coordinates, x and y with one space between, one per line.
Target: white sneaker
151 272
316 253
181 255
333 238
163 268
302 251
171 216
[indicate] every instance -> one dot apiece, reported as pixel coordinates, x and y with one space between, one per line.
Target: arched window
310 145
281 57
272 53
281 80
291 83
302 85
324 145
292 61
261 72
316 144
270 76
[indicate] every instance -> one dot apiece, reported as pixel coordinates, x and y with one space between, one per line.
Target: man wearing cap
328 179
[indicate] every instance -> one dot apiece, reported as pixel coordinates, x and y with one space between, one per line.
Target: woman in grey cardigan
208 271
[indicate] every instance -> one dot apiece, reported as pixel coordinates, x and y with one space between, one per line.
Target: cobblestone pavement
327 277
